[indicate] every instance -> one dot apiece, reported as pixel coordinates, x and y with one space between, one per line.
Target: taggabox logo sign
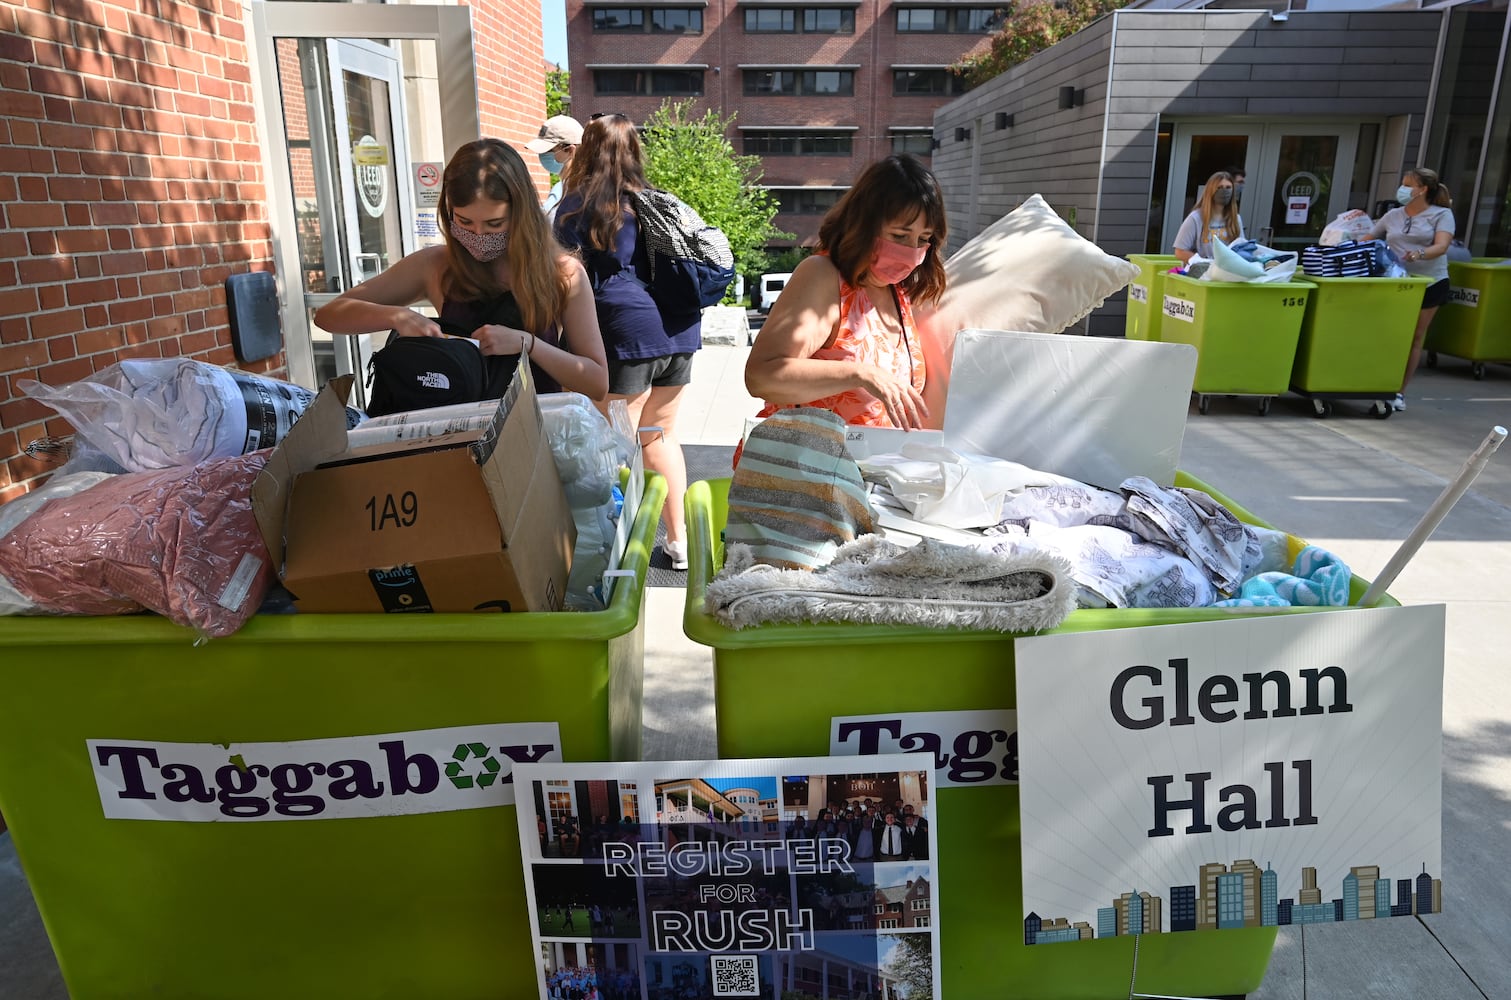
392 774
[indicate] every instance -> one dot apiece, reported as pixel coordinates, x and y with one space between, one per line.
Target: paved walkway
1351 483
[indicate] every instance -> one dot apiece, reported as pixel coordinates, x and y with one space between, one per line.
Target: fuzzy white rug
1004 588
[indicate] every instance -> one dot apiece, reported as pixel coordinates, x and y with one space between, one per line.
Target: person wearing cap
554 146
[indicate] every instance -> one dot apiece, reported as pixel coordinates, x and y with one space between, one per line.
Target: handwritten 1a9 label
970 749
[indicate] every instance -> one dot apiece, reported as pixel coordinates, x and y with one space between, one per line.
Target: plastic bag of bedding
166 412
182 542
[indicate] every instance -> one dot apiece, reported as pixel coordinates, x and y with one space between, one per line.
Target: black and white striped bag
1346 260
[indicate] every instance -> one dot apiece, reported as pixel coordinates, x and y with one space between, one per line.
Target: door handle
368 264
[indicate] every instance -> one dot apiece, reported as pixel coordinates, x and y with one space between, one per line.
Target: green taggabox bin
1356 336
428 904
768 705
1244 333
1475 322
1146 295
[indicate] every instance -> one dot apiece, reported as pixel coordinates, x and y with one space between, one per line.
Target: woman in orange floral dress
841 336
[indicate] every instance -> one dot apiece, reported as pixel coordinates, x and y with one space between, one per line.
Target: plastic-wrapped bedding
182 542
12 601
160 413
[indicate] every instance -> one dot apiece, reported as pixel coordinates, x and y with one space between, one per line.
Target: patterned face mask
484 247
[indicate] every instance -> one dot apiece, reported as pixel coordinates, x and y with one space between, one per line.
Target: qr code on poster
735 976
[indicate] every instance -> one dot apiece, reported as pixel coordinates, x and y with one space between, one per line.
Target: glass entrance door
1197 152
350 173
1302 182
1298 176
339 86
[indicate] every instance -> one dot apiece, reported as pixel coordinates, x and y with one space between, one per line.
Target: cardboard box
477 523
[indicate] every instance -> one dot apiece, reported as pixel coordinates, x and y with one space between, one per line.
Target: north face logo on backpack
433 380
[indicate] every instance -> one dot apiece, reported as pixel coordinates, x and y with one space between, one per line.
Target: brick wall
511 74
130 187
131 184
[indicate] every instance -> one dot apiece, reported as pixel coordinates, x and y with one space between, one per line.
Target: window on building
805 201
680 82
880 908
558 802
836 82
920 904
808 20
798 143
920 921
760 81
618 19
633 20
939 82
776 21
789 83
917 143
677 20
949 20
887 924
653 82
829 21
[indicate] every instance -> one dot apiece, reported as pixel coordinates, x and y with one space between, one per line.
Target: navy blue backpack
691 262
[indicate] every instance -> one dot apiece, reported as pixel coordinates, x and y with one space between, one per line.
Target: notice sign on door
1241 773
1297 210
427 185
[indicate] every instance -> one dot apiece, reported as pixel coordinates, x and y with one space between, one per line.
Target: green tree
558 92
1031 26
693 159
912 965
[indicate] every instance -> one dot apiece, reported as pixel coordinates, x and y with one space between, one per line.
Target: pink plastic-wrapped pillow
182 542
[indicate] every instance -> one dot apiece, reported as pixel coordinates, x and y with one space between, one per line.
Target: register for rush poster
693 880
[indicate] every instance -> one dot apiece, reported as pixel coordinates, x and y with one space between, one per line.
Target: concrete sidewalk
1350 483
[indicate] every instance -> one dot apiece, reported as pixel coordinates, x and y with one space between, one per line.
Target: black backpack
691 262
417 373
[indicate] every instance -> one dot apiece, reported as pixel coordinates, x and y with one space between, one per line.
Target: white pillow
1029 271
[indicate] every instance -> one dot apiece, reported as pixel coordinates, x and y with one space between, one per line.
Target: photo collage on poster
779 879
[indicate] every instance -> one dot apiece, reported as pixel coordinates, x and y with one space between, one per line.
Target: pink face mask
893 262
484 247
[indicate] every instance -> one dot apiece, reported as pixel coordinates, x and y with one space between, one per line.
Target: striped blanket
797 495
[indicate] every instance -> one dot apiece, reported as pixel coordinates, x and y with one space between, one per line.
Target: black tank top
462 319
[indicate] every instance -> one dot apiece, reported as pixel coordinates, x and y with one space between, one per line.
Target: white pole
1435 514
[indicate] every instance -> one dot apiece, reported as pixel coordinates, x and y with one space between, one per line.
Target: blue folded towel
1318 579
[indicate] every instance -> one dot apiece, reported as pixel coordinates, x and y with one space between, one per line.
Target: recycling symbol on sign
490 766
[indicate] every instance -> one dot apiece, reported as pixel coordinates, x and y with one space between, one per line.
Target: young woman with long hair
500 278
650 355
1215 214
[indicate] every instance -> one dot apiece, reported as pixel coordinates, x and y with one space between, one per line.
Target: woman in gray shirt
1420 232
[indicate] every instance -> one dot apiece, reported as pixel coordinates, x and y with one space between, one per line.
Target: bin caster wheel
1322 408
1382 410
1479 371
1432 359
1264 406
1203 404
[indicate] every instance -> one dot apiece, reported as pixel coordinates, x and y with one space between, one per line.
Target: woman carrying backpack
650 355
500 278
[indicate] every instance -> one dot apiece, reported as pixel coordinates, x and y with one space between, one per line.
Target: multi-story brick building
817 88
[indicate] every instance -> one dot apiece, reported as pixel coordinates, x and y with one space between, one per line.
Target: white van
771 287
